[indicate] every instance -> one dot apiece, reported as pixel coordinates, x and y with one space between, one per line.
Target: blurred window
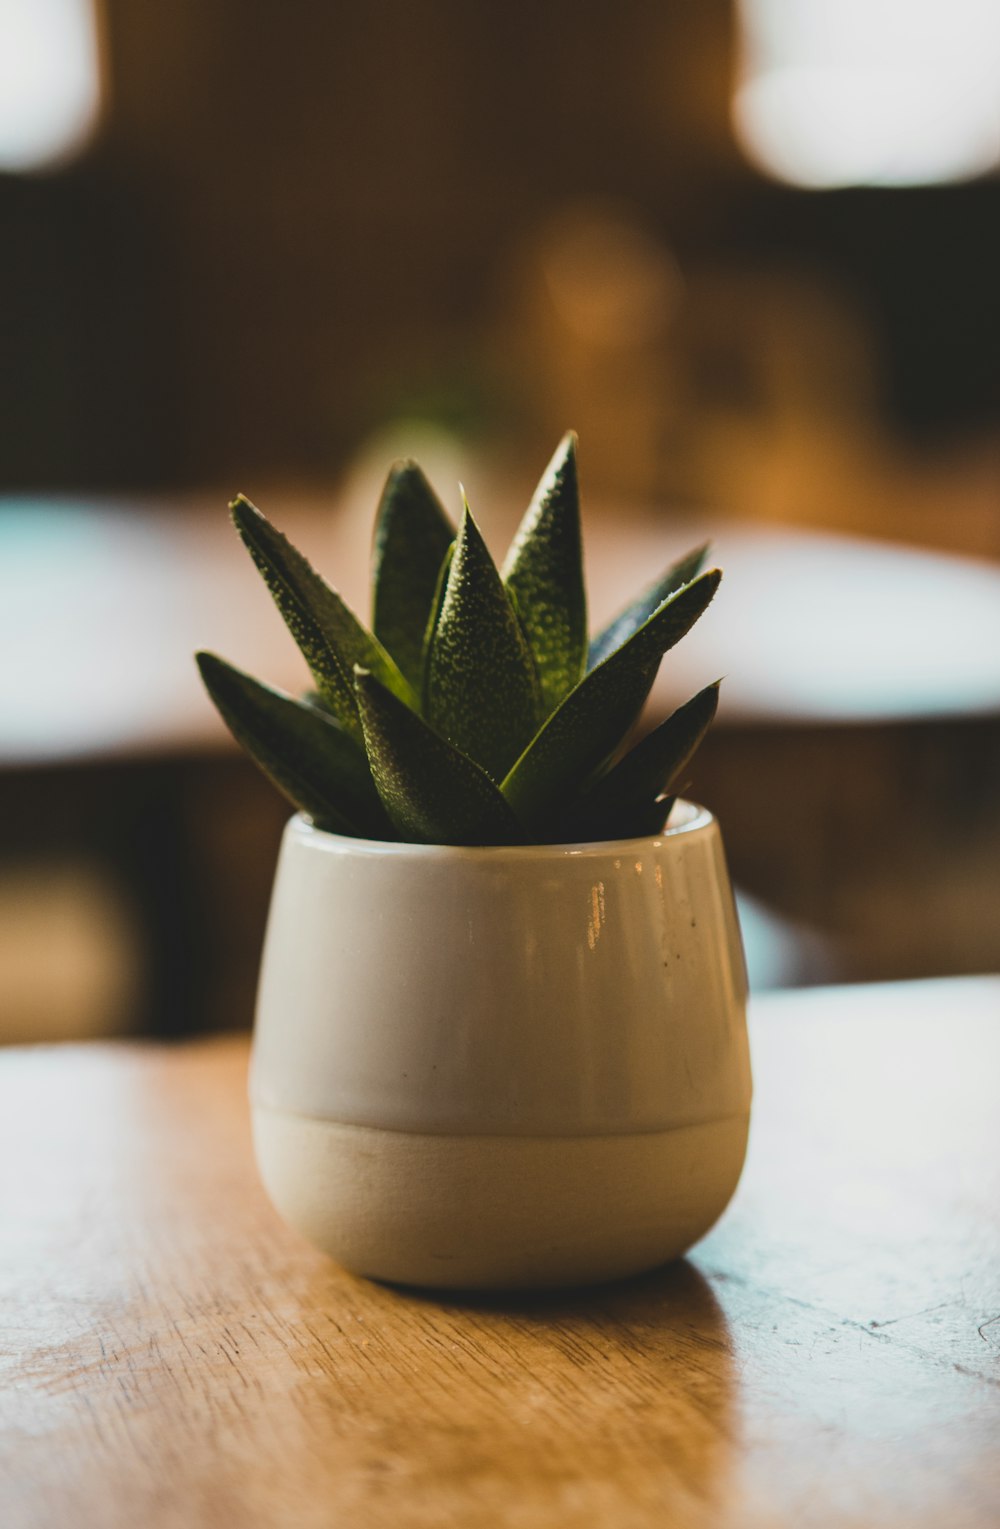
869 92
50 81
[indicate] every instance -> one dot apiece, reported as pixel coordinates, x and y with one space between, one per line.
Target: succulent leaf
433 793
645 821
543 572
649 820
474 713
481 687
310 758
412 535
632 790
587 728
639 610
330 637
432 621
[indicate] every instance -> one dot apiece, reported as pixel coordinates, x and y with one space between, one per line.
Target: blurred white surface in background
869 92
50 81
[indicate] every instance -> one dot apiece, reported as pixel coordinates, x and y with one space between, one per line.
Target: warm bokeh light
50 83
870 92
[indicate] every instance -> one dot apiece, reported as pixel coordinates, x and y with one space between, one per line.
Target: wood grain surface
173 1356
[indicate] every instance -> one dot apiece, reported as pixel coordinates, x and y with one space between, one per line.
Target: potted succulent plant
500 1036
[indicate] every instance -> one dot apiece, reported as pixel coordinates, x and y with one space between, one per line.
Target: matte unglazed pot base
497 1212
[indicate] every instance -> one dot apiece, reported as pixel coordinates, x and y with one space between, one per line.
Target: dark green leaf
330 636
307 755
652 820
433 793
544 575
482 689
432 620
642 823
412 535
584 732
642 607
628 793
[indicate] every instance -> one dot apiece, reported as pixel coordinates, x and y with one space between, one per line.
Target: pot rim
696 820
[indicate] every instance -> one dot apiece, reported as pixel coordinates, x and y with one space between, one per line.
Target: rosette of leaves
475 710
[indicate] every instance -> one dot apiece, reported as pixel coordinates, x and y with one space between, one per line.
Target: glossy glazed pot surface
502 1067
551 990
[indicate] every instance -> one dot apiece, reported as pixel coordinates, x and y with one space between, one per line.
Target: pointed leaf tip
328 634
589 725
543 572
638 611
628 795
481 690
412 535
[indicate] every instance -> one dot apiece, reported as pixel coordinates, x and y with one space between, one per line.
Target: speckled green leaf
431 791
330 636
584 732
642 607
412 535
481 688
432 620
628 793
303 750
544 574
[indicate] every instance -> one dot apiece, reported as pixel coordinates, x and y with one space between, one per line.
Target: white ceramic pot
502 1067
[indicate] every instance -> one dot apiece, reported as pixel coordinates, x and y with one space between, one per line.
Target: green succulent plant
475 711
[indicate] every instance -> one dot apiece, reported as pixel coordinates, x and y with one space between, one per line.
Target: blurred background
749 251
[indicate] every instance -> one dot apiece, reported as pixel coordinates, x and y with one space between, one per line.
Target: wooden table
829 1355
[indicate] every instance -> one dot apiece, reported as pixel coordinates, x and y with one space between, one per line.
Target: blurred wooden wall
295 210
298 219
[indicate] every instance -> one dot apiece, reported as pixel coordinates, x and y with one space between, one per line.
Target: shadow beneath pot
674 1292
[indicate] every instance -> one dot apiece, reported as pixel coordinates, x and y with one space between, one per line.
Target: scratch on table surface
981 1329
907 1316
